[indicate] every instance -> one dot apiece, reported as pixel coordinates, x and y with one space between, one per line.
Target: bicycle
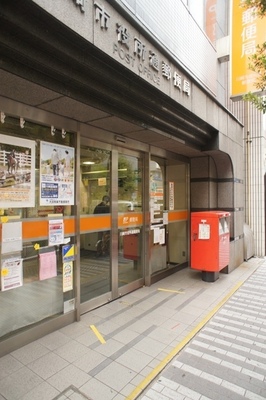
103 245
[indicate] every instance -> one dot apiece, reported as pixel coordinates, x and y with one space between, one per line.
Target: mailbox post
210 243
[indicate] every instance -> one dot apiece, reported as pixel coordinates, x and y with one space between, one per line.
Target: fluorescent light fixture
101 171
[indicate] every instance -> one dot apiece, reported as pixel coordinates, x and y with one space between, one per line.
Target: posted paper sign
47 268
56 232
11 237
17 167
204 231
162 236
165 217
67 276
159 235
68 252
11 273
56 174
156 235
171 196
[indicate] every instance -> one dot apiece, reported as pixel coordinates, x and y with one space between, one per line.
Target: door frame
115 291
166 159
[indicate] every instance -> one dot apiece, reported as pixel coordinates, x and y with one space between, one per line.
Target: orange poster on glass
211 19
247 31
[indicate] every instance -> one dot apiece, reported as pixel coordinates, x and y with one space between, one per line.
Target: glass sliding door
130 219
177 202
169 214
111 220
95 261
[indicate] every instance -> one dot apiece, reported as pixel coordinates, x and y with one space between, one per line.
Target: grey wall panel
172 23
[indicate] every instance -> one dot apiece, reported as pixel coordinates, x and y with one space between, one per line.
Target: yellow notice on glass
67 276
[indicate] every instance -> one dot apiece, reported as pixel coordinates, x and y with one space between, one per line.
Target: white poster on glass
11 273
171 196
17 172
56 174
156 235
162 236
11 237
56 232
67 276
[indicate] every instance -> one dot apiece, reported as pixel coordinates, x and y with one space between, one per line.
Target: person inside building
103 207
103 243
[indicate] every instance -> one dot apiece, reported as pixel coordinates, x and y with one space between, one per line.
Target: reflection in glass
130 266
129 256
95 177
129 183
95 276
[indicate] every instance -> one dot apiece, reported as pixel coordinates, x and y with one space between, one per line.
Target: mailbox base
208 276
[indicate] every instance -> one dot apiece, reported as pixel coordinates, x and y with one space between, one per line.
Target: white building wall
172 23
255 188
255 168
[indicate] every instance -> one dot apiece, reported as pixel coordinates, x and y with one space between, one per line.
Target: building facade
116 104
246 33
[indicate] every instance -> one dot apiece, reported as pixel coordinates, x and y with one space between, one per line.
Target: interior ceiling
54 70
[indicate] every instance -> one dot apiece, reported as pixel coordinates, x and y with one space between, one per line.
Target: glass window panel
37 298
130 185
95 178
95 261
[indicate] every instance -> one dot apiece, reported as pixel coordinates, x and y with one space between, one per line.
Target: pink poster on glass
47 268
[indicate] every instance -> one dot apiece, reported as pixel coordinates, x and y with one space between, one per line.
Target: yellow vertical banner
247 31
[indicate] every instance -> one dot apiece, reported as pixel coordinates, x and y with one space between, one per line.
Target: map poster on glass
17 172
56 174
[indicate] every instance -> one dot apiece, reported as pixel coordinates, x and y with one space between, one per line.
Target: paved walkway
181 338
227 358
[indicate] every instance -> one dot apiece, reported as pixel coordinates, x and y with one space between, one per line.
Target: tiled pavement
181 338
227 358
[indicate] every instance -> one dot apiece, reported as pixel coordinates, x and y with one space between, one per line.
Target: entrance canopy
48 66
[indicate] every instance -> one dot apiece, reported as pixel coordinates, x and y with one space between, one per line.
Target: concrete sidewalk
141 345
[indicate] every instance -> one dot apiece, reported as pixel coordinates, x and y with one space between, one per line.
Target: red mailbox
131 247
210 241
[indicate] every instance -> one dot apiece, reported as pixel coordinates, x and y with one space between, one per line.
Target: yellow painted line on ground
139 389
97 333
171 291
126 303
